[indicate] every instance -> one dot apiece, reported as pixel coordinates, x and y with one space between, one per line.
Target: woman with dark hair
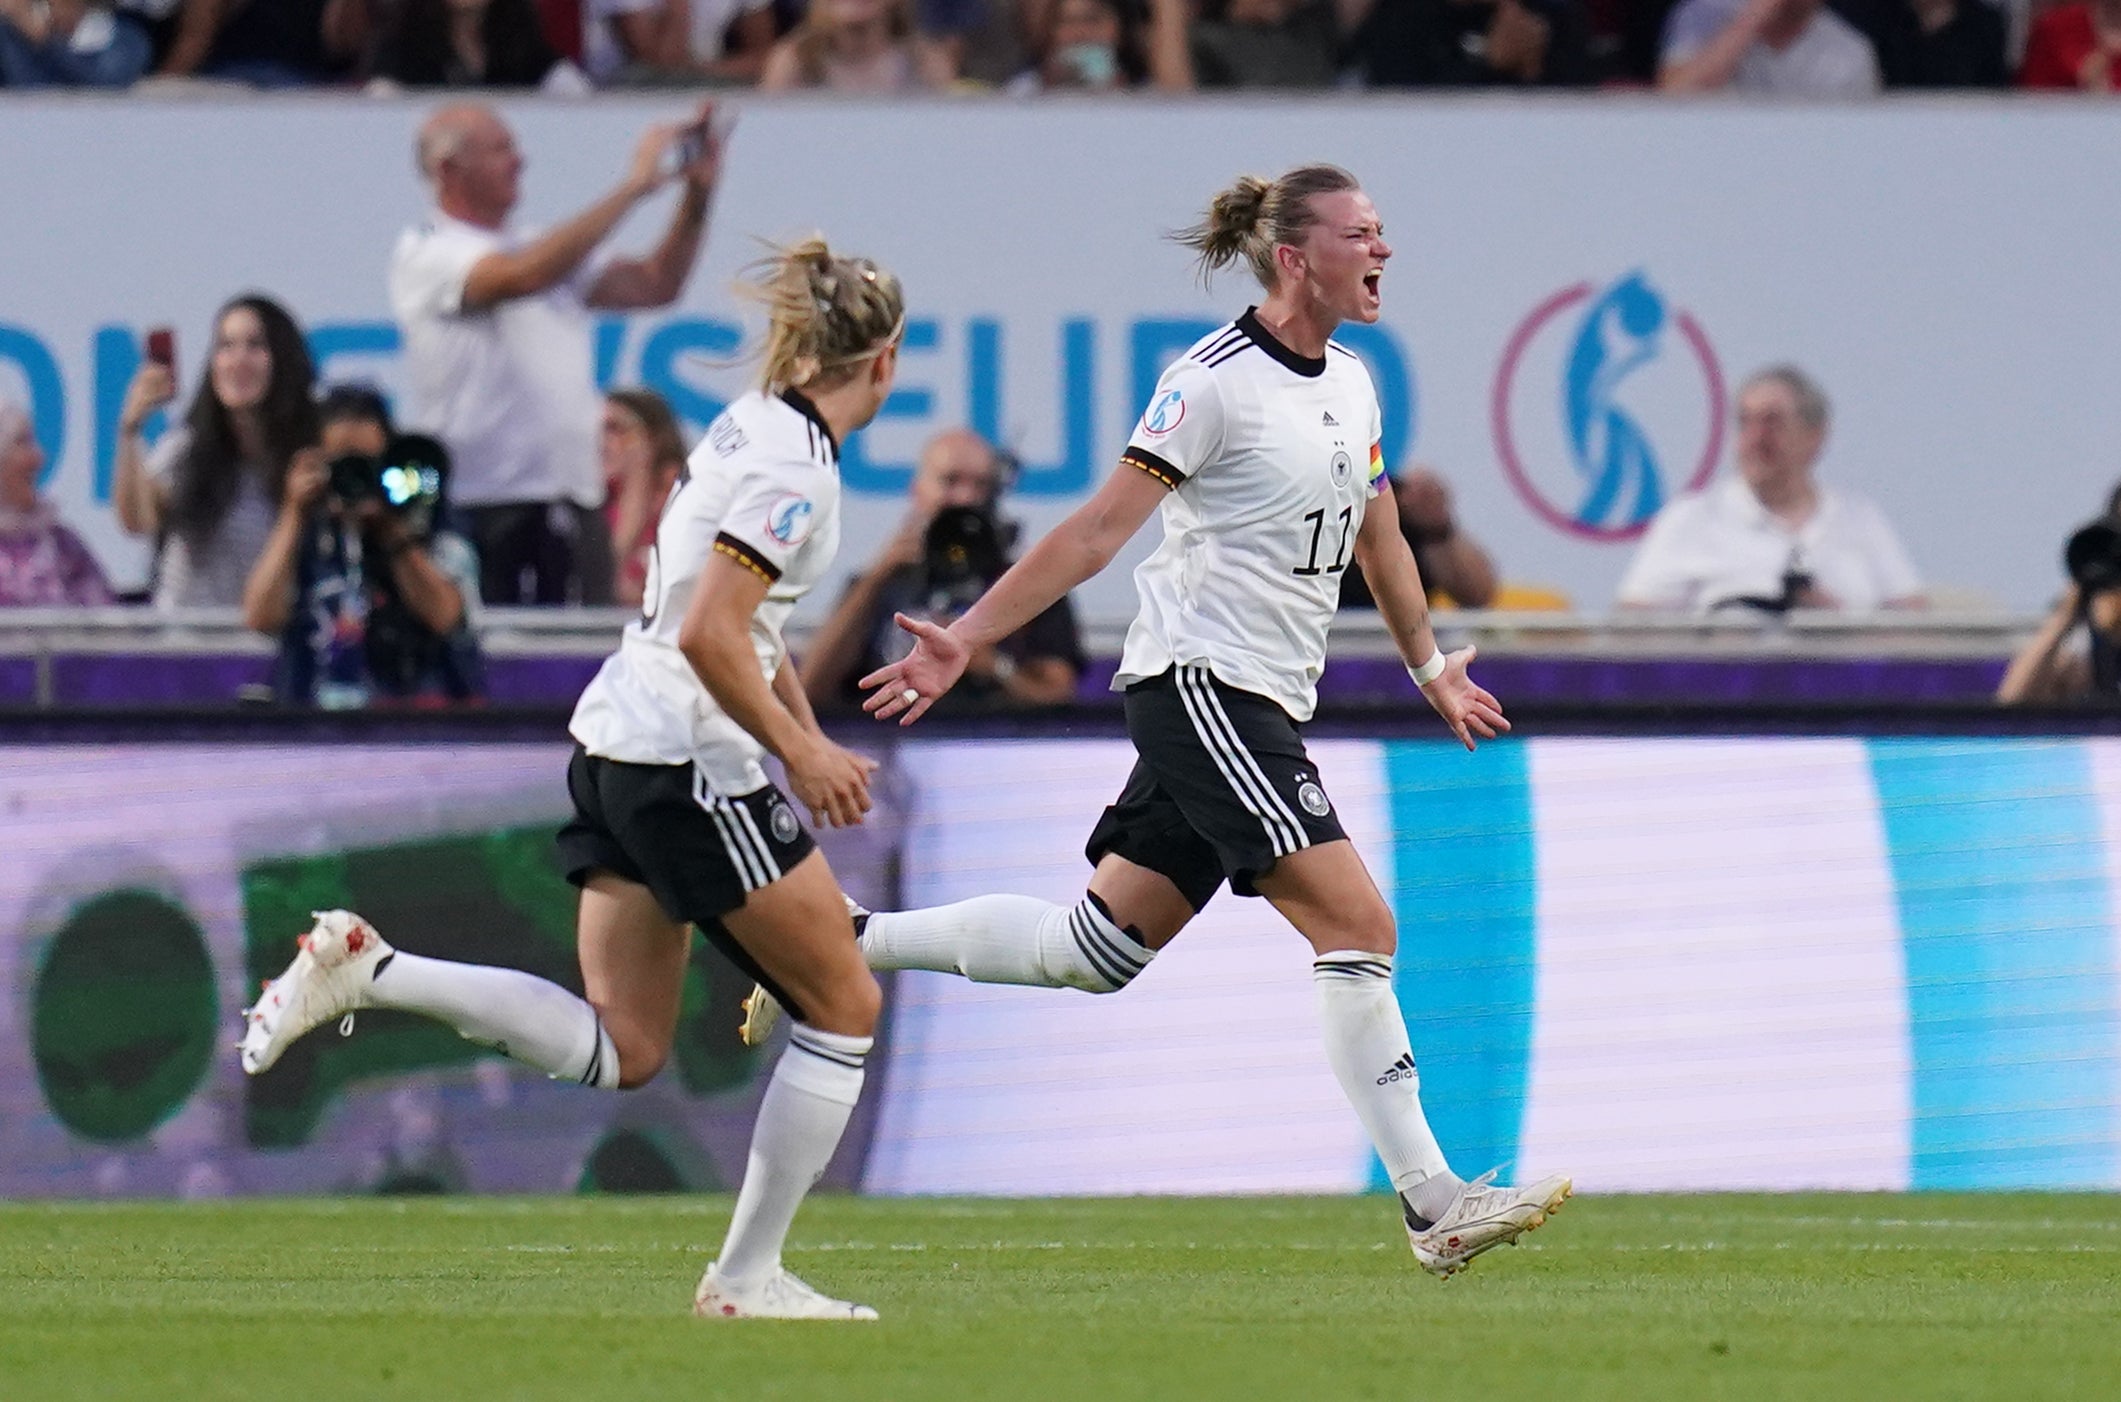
642 456
1110 46
464 44
857 46
209 491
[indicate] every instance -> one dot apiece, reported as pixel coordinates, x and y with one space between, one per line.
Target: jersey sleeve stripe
750 559
1153 465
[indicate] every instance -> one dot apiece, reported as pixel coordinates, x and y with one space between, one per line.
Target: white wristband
1428 671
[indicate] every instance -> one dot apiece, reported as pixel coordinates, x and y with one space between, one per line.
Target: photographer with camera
948 550
368 595
2050 668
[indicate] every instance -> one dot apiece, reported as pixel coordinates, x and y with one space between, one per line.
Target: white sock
1010 939
800 1122
1366 1042
520 1015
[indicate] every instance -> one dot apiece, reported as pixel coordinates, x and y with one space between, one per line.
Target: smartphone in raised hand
160 346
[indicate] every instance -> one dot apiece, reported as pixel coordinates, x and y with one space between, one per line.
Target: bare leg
633 969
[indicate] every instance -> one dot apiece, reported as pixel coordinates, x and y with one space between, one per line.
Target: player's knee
639 1061
1366 932
850 1007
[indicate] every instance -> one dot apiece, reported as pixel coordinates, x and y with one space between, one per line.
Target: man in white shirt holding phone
498 339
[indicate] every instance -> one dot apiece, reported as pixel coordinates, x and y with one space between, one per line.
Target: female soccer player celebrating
1251 448
674 820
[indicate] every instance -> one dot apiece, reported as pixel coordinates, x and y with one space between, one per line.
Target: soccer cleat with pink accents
778 1296
329 979
1483 1217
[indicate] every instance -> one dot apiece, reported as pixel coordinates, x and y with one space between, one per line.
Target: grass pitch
1812 1297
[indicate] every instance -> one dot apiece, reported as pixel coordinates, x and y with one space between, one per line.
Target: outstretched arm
1395 582
1073 551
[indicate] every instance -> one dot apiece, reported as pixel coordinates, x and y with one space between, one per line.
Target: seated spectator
1783 48
208 492
948 550
2075 47
2059 663
1937 43
368 594
42 563
269 43
463 44
71 44
1267 44
858 46
1455 569
643 454
1109 46
1475 43
1771 538
676 41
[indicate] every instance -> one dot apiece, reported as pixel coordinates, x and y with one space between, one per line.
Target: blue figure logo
1165 414
1621 331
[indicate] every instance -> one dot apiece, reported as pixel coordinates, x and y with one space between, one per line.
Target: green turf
1811 1297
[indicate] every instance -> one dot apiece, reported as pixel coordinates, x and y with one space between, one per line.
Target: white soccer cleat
1483 1217
762 1010
778 1296
328 979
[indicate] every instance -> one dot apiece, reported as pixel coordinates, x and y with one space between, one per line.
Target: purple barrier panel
527 681
18 681
122 679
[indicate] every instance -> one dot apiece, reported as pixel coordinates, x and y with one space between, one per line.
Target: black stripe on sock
1112 950
595 1073
1098 960
853 1061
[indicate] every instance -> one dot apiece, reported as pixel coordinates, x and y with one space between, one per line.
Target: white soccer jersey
1272 458
763 488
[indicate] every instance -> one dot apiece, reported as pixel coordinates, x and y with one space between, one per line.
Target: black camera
408 479
2093 556
961 555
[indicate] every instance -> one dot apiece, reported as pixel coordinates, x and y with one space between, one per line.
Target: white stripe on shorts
1212 724
750 861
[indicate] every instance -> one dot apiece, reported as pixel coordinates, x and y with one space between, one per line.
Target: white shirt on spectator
509 389
1830 58
1719 544
213 575
710 19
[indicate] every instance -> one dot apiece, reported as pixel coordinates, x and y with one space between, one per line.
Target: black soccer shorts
1222 788
699 852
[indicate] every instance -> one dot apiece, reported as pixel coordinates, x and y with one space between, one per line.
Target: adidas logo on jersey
1330 421
1402 1070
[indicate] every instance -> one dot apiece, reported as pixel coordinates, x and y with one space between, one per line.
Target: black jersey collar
800 402
1307 366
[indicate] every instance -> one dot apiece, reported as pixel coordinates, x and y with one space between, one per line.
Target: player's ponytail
1252 217
825 314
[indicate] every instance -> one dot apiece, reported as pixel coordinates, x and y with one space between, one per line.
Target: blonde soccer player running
675 822
1260 450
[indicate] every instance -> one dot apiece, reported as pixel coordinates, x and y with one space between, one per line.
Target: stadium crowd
1799 48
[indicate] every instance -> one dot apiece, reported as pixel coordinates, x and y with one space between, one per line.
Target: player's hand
1464 706
706 168
924 674
833 783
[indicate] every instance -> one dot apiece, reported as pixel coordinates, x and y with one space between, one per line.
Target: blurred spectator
2059 663
2075 47
1787 48
1454 566
858 46
674 41
1939 43
1108 46
643 456
368 594
269 43
1271 43
463 44
208 492
71 44
1771 538
498 350
948 550
1475 43
42 563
